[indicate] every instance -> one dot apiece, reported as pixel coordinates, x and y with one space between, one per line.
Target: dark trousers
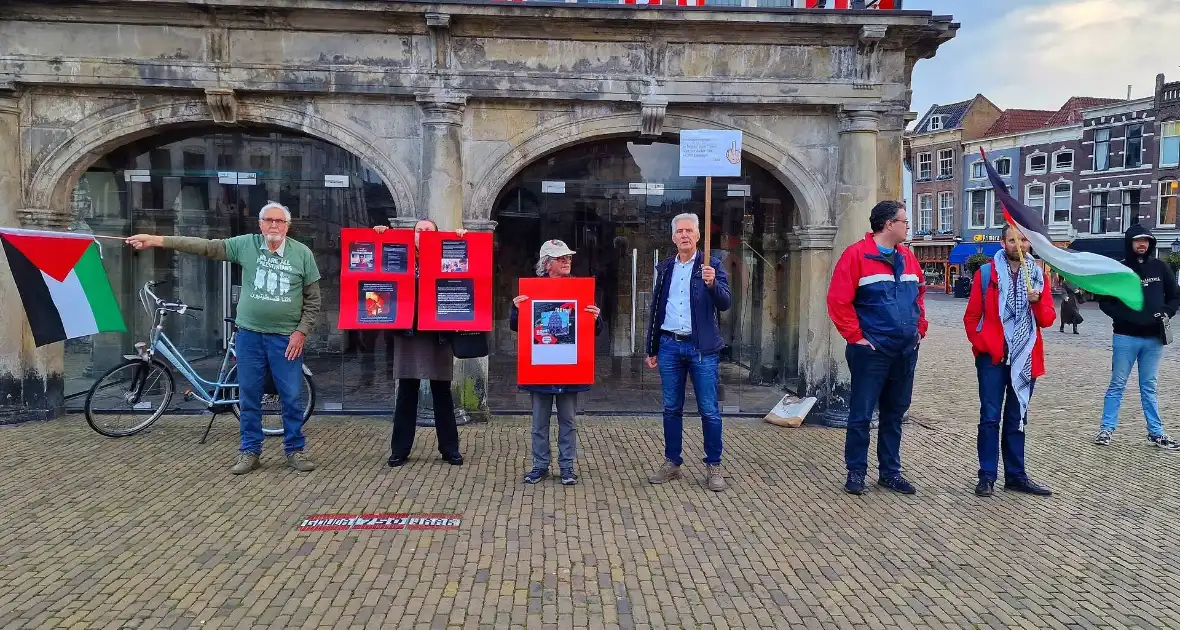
405 416
884 382
998 400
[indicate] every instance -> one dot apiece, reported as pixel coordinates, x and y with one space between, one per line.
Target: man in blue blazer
684 341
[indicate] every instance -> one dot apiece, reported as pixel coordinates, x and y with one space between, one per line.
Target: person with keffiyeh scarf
1004 328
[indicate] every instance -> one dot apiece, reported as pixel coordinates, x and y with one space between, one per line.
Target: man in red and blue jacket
876 301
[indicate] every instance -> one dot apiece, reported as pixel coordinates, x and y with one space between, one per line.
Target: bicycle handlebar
146 293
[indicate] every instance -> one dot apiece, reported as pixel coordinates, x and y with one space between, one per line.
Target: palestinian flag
1092 272
62 283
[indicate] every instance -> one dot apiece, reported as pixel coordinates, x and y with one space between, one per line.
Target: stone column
856 193
12 314
440 192
812 257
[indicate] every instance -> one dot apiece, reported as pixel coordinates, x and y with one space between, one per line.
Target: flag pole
708 216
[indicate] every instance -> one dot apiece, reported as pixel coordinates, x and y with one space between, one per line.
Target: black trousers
405 416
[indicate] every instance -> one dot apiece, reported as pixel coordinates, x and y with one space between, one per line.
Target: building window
1134 152
1130 208
1102 149
925 214
935 123
1004 167
924 164
979 209
1098 213
1036 163
946 212
1034 198
1170 144
946 164
1169 191
977 171
1062 201
1063 161
997 210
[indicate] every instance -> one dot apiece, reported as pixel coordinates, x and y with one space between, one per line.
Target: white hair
543 265
687 216
274 204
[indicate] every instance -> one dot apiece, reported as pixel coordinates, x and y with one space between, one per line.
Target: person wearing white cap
556 260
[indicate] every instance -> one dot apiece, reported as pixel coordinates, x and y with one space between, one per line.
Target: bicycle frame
208 392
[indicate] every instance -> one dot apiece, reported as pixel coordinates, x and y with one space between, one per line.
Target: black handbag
469 345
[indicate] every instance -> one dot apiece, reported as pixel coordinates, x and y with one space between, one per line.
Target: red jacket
990 340
869 299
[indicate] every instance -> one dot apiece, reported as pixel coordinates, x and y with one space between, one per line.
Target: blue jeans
998 400
1128 350
886 383
259 353
680 360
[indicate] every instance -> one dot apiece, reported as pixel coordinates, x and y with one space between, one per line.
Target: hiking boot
666 473
454 459
568 477
1027 486
985 487
300 462
1164 442
855 483
245 463
897 483
536 475
1103 438
714 480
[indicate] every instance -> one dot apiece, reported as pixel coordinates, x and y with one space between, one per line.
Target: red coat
990 340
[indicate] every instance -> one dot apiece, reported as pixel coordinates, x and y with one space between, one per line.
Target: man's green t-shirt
272 282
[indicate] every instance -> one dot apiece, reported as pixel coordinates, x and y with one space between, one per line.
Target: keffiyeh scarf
1020 327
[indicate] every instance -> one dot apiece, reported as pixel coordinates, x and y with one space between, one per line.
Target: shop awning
1109 247
963 251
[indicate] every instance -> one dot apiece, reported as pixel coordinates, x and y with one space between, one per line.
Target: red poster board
455 281
376 279
548 351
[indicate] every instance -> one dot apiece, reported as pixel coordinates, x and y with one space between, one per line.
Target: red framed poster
455 281
376 279
555 338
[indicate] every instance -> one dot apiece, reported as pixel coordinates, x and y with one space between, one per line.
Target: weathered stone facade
447 101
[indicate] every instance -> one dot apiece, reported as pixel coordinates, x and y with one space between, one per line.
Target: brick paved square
152 532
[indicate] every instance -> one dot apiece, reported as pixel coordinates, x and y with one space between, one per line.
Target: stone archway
53 180
812 198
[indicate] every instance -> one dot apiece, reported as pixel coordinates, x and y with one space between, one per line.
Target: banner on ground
62 284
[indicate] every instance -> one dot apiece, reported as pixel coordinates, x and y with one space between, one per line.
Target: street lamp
1176 246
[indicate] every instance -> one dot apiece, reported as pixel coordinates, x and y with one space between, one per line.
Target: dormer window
935 123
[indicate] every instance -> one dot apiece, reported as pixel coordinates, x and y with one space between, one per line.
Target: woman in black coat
1070 300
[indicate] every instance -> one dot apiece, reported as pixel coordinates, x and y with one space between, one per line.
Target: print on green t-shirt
272 285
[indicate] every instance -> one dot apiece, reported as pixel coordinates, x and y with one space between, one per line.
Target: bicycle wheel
128 398
272 409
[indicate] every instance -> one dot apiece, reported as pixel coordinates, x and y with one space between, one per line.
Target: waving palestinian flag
1092 272
62 284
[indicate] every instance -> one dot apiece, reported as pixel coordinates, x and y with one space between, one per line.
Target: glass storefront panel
613 202
211 184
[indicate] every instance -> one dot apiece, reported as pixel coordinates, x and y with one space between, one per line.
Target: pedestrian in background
555 261
876 300
1071 300
1005 314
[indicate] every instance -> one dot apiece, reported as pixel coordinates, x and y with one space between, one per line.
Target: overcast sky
1034 54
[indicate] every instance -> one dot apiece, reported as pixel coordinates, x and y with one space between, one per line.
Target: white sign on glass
553 188
336 181
710 153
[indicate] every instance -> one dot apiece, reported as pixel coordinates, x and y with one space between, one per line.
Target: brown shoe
714 480
245 463
666 473
300 462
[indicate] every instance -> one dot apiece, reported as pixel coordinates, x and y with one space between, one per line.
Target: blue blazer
704 304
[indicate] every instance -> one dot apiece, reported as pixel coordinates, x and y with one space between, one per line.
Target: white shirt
678 313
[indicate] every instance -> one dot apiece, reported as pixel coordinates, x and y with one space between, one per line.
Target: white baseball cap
555 249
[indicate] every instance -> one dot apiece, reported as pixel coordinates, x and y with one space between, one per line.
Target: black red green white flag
62 283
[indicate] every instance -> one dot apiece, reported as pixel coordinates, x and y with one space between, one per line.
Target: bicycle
142 386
